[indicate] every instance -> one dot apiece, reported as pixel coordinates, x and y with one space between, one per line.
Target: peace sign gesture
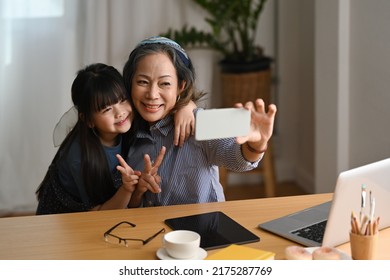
149 179
130 177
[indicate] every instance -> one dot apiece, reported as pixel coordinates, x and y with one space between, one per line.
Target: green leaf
233 25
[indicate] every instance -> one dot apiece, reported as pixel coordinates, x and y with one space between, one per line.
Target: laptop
329 223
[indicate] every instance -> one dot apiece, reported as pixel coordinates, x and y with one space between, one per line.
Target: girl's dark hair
95 87
184 70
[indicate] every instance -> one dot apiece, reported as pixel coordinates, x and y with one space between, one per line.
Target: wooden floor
237 192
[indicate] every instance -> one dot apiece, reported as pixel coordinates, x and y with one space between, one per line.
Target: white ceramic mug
181 244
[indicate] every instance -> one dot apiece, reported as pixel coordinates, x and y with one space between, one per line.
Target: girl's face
155 87
112 121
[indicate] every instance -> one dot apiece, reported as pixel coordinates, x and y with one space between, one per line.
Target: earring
178 98
94 132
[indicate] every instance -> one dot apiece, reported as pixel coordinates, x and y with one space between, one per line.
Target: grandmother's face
155 87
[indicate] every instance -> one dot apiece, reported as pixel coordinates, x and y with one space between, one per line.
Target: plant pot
228 66
240 87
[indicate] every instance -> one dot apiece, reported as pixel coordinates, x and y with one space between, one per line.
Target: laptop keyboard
314 232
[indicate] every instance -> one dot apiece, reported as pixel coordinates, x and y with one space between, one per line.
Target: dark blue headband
165 41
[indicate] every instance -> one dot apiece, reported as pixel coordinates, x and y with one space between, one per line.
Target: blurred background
330 79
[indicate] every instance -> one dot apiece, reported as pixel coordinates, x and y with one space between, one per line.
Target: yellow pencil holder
363 247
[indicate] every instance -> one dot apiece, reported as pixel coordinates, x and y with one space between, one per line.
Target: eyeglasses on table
113 238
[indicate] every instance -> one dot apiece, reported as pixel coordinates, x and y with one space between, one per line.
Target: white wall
369 81
293 91
352 86
333 90
295 122
331 119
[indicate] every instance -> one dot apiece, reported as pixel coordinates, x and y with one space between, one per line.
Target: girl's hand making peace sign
130 177
149 179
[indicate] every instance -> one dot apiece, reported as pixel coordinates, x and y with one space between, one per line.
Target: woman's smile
152 108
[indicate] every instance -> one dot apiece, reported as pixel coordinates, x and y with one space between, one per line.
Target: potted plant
233 26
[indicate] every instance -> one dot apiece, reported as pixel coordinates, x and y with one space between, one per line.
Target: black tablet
216 229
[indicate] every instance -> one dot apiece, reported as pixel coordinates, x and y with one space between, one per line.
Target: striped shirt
189 173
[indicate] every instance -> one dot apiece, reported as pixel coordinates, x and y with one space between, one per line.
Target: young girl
88 171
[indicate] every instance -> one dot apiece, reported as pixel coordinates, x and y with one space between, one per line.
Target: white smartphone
222 123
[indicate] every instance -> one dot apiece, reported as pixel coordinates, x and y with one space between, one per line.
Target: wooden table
80 235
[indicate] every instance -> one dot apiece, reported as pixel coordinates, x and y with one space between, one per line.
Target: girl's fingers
192 127
147 182
121 160
183 131
128 171
157 178
176 135
182 135
160 157
149 167
130 179
124 167
148 163
133 178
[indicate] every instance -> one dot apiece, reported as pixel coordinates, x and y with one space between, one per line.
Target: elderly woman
160 78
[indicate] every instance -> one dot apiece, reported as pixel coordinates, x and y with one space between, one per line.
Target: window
31 8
